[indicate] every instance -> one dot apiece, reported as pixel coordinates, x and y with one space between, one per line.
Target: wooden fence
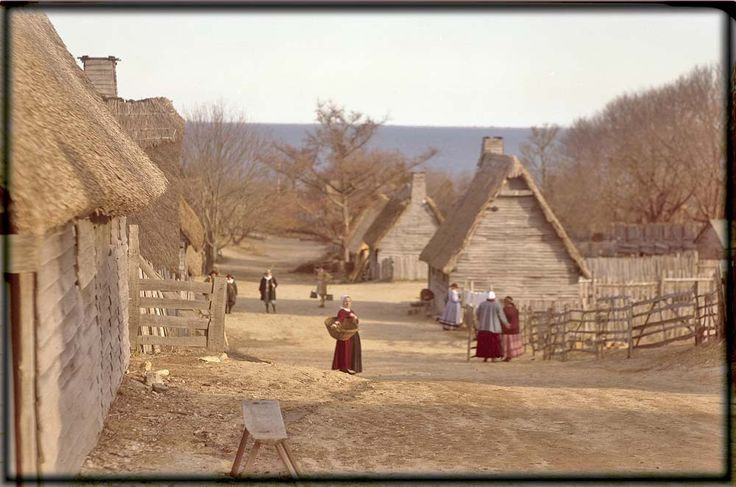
620 322
158 306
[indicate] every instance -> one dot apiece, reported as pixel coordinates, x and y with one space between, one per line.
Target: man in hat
490 316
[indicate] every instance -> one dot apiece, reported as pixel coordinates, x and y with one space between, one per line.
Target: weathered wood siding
82 338
438 282
405 241
516 249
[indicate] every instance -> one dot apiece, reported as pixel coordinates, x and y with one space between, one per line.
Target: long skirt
512 346
348 355
489 345
451 316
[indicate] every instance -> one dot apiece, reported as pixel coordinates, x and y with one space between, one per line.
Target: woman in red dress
347 357
512 344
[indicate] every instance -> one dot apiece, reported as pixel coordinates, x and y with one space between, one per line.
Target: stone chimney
418 187
491 145
101 72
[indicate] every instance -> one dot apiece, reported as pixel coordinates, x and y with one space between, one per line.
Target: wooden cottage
503 234
400 232
156 126
74 176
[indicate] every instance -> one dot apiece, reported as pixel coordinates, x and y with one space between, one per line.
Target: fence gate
195 306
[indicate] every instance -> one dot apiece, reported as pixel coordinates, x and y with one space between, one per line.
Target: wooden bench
263 421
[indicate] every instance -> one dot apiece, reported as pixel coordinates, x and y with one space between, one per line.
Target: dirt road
419 407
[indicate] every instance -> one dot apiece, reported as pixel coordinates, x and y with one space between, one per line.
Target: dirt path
419 407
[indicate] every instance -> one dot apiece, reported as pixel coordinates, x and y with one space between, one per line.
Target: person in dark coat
348 353
268 290
232 293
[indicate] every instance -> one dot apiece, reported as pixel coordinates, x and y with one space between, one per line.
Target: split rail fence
170 312
621 322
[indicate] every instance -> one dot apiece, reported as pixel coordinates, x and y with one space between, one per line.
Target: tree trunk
210 255
345 234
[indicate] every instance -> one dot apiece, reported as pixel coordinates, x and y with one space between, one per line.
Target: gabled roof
451 238
391 214
69 156
720 228
364 221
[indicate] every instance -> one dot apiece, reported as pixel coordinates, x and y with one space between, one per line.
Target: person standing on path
452 315
512 345
211 277
232 294
490 316
323 277
268 290
348 353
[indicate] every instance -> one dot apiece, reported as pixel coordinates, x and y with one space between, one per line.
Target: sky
485 67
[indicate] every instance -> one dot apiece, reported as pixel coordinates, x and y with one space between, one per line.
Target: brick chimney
418 187
492 145
101 72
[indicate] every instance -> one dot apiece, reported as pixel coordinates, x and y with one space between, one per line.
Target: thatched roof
391 214
447 244
157 127
364 221
69 157
149 122
190 225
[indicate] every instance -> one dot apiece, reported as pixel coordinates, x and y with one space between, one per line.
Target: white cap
491 295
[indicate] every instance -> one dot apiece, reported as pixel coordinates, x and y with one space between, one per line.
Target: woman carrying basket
347 357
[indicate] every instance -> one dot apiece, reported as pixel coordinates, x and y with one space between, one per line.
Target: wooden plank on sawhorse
264 422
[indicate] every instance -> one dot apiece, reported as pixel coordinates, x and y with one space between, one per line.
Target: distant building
503 233
629 239
400 232
712 240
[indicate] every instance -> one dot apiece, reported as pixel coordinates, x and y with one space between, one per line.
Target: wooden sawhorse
263 421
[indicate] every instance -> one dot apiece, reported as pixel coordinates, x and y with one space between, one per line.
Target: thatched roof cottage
502 232
75 175
156 126
400 232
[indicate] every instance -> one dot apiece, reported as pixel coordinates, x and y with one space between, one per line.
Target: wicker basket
341 331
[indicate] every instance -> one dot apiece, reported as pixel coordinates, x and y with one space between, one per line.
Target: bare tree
335 174
540 151
653 156
224 177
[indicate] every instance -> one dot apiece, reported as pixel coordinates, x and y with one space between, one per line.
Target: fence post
134 309
564 334
216 329
597 335
629 327
698 325
720 303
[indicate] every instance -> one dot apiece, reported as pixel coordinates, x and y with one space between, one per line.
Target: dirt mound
710 354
